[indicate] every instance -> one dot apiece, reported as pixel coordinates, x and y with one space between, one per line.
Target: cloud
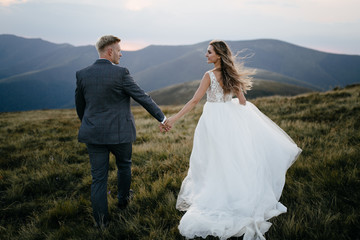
331 11
79 22
137 5
320 11
10 2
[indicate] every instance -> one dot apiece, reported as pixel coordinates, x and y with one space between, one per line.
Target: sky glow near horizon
326 25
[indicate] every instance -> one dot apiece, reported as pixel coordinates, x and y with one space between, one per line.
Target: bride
238 161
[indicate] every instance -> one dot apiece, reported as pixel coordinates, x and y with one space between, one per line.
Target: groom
102 99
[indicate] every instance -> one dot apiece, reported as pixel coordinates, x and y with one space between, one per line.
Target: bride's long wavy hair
234 76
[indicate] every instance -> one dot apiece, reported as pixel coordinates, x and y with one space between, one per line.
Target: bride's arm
200 92
241 97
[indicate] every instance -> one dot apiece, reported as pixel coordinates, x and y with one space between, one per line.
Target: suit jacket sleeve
79 99
139 95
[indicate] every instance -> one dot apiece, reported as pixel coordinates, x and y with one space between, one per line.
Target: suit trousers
99 161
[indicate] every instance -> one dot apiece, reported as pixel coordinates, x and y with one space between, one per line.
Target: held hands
163 127
167 125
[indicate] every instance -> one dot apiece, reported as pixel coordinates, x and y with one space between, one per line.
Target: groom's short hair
105 41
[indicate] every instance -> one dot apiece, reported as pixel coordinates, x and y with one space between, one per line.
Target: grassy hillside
181 93
45 173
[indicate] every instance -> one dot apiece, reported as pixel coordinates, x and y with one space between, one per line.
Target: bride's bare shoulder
207 75
212 70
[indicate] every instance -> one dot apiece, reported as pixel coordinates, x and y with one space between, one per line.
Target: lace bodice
215 93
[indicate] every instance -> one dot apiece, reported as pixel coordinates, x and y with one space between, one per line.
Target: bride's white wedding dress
237 170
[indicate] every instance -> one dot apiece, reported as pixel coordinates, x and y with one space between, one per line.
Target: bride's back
218 76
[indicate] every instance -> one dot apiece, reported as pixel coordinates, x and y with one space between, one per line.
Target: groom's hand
161 127
164 127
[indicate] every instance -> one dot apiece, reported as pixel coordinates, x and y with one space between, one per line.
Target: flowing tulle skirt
237 173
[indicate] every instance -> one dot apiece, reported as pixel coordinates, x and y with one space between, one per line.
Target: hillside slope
45 173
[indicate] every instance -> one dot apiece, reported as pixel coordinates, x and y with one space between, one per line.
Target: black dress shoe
102 226
123 205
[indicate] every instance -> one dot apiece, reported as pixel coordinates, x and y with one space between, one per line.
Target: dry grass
45 173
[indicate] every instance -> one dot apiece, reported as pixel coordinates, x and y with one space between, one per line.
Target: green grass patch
45 173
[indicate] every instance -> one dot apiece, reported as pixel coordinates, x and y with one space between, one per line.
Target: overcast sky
326 25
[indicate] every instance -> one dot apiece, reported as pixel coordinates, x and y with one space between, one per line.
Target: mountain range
37 74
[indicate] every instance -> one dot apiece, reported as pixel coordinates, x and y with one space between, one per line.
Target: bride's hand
170 122
241 97
163 128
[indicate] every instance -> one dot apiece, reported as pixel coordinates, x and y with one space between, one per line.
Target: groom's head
109 47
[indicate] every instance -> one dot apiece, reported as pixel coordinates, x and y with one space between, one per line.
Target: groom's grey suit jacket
102 99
